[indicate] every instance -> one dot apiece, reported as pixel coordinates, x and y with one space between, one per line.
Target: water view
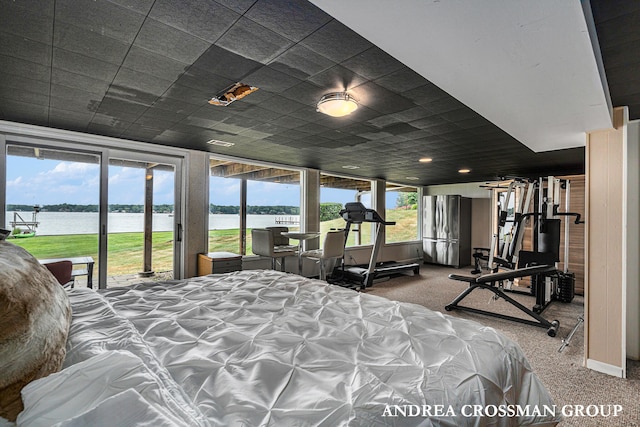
62 223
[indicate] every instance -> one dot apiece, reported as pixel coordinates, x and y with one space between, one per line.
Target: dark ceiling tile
293 19
628 74
425 94
281 104
288 122
618 31
305 93
19 19
69 119
89 43
207 20
253 41
383 120
141 132
78 81
84 65
402 80
260 113
460 114
141 84
373 63
337 79
83 100
168 41
412 114
23 83
380 99
240 6
301 62
208 84
312 128
24 112
605 10
175 106
148 62
227 64
20 67
269 128
140 6
155 113
118 124
23 94
100 17
121 109
336 42
22 48
186 94
308 114
271 80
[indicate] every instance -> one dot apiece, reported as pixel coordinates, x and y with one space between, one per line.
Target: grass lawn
126 249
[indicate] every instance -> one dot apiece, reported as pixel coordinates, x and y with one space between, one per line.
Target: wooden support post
243 217
148 223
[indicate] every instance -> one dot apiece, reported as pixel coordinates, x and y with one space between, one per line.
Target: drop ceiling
144 70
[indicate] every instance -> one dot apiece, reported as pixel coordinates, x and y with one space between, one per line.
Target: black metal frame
488 281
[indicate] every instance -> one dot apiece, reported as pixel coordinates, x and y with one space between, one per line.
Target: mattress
262 348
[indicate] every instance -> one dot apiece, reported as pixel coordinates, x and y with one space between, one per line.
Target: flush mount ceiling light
464 170
232 93
337 104
425 160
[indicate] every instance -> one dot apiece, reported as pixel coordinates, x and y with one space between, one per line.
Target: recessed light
464 170
220 143
412 178
425 160
350 167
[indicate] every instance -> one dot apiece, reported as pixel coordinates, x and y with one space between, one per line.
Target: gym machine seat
488 281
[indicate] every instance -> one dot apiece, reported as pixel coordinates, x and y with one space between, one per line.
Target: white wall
633 239
471 189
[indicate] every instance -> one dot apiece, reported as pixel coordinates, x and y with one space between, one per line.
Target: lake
60 223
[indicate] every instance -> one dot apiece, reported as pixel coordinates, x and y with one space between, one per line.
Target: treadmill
365 275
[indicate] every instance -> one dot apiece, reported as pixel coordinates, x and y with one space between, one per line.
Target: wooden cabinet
218 262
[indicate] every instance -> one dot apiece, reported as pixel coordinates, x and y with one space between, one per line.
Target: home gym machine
362 276
548 283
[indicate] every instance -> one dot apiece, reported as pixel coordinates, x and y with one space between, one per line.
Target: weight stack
566 287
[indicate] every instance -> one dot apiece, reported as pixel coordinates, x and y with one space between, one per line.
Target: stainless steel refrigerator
446 230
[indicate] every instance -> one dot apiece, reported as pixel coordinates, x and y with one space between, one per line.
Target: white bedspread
256 348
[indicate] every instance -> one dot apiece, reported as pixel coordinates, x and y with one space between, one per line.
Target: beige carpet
563 373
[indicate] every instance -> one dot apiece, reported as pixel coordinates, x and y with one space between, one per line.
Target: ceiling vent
232 93
220 143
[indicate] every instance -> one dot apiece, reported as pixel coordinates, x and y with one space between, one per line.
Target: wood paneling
576 231
604 304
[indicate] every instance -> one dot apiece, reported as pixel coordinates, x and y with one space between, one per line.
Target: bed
261 347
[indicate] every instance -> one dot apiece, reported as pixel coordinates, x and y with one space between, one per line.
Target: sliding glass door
143 232
52 205
116 213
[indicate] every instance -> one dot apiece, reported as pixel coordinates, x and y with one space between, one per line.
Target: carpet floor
563 373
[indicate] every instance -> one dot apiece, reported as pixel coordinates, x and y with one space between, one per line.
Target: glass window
335 191
272 199
401 207
52 203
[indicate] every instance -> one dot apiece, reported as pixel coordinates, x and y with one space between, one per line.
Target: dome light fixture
337 104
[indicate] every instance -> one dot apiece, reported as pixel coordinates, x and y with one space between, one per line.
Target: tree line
255 210
70 207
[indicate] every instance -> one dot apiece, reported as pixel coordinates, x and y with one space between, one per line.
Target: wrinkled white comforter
255 348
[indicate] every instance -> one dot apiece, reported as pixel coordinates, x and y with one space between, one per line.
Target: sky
32 181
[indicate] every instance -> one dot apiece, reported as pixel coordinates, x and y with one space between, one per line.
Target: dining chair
263 244
333 247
